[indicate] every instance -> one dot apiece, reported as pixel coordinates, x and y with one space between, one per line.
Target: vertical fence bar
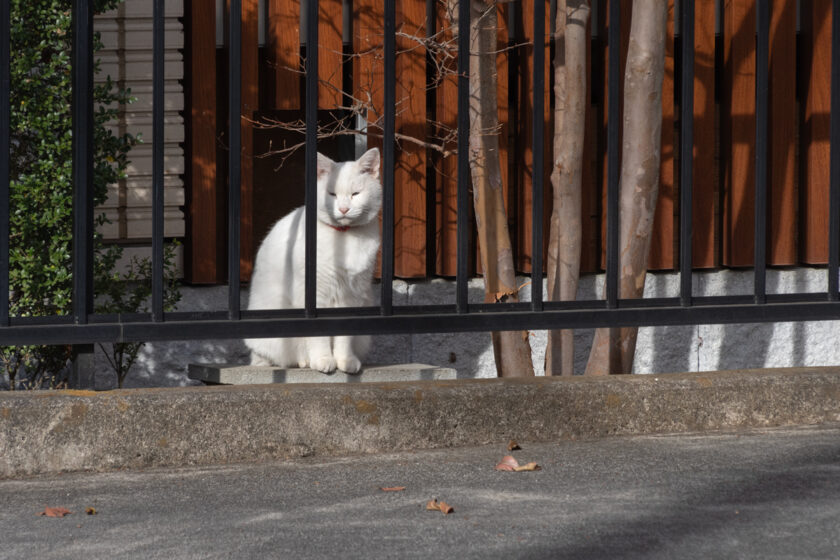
463 155
390 96
5 125
82 374
82 110
834 192
234 153
762 90
537 159
686 150
614 75
311 167
157 159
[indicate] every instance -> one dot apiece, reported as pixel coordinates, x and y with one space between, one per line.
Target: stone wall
659 350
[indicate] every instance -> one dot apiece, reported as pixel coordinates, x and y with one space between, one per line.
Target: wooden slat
781 249
524 161
816 104
368 72
284 48
202 209
446 114
330 54
250 102
410 173
662 254
738 133
705 171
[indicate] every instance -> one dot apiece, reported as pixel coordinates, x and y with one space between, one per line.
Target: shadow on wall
471 354
737 346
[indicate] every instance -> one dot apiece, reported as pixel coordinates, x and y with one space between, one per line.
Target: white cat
348 203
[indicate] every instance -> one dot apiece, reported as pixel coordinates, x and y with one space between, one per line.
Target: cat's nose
343 209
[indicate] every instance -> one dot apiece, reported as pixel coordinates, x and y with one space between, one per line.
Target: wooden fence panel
250 104
202 264
368 72
705 170
284 52
662 254
446 168
410 173
724 155
739 135
816 105
330 54
781 217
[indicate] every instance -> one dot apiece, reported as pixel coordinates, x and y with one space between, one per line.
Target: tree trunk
613 349
564 248
511 349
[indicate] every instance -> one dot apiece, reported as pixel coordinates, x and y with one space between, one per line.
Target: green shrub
41 202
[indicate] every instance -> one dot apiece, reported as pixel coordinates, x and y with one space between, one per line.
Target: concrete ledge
237 374
75 430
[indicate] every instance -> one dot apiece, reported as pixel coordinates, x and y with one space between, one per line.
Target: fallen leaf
90 511
443 507
55 512
508 463
513 446
392 488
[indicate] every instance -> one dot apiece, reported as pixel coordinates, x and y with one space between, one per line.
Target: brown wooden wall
425 186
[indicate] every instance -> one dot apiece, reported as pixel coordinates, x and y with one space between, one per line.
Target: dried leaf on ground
55 512
90 511
513 446
508 463
528 467
392 488
443 507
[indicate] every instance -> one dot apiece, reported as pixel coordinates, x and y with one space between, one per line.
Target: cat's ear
369 162
325 166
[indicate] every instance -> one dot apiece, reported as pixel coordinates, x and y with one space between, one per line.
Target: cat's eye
354 194
332 194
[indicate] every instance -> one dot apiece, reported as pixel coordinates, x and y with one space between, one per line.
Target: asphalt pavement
771 493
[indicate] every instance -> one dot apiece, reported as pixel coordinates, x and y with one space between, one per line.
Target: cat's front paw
350 364
324 364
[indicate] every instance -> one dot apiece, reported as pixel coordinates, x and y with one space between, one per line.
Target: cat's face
349 193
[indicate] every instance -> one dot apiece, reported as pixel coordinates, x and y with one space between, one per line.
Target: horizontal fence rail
86 327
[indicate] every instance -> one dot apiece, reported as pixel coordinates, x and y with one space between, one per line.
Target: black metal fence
84 327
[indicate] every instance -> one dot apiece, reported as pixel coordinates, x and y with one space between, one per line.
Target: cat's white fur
349 194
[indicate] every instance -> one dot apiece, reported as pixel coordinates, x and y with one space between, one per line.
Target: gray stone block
236 374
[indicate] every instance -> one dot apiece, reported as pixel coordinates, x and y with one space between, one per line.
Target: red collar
339 228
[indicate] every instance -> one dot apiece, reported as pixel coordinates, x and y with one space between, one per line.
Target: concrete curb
43 432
